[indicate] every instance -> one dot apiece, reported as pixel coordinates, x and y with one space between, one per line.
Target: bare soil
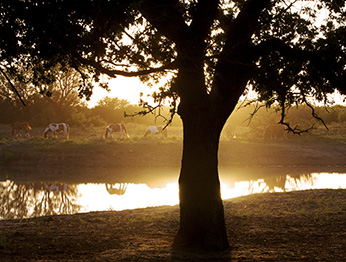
293 226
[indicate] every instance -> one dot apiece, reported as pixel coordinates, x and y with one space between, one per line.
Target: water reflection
285 183
113 190
94 196
22 200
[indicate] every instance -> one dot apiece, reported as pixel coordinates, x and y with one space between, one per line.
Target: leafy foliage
287 55
212 51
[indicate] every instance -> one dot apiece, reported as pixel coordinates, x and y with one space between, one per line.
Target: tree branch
319 62
114 72
233 68
296 130
205 13
289 128
275 44
242 28
254 112
12 86
313 112
167 17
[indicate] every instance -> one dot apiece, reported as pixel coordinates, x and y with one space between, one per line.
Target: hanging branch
289 128
254 112
173 109
148 109
313 113
114 72
12 86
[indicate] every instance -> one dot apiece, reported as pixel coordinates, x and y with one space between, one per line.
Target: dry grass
295 226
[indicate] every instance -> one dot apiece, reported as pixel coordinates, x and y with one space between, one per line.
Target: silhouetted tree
51 101
212 49
63 92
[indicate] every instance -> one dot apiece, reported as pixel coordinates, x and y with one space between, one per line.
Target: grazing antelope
118 128
56 128
156 130
17 126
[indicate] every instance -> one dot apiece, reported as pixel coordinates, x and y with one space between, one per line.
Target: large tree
212 50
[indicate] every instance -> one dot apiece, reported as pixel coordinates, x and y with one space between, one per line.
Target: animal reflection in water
18 126
156 130
56 187
113 190
117 128
57 128
59 189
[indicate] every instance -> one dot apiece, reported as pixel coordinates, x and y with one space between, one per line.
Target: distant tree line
258 116
59 101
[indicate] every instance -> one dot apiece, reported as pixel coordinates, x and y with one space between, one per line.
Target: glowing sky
128 88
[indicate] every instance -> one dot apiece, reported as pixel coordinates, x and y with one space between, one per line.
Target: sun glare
95 197
128 88
102 197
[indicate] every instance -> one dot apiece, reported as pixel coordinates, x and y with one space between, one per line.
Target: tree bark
202 223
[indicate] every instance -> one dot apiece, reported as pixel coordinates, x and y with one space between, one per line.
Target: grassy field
296 226
87 149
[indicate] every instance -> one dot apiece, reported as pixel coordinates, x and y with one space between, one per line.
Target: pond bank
294 226
130 159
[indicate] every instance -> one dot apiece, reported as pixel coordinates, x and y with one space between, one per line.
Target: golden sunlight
101 197
95 197
127 88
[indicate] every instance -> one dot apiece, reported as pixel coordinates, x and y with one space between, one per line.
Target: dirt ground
294 226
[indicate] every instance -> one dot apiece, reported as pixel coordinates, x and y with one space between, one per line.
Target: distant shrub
342 116
81 119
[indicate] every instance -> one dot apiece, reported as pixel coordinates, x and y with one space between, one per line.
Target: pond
20 199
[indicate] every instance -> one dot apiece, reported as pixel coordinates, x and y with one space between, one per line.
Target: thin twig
289 128
254 112
313 112
12 86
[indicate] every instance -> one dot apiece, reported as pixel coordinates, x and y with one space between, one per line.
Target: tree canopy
288 55
213 52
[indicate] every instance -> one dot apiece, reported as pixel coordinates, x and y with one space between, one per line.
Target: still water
32 199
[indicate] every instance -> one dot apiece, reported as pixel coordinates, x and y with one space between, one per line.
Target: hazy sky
128 88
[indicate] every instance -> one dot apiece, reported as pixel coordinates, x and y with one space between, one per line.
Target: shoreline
292 226
157 159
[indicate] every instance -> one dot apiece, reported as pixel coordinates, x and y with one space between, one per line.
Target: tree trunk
202 223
